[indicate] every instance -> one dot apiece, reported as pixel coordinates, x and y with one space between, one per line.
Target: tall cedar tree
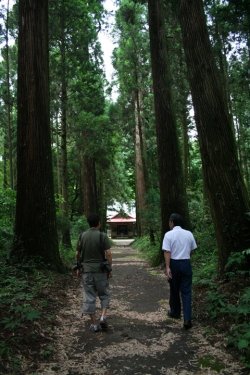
35 227
172 189
225 186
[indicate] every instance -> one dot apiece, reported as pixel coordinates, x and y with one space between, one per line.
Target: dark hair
93 220
176 219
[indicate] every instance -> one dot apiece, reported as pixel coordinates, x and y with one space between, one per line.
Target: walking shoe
94 328
187 324
103 323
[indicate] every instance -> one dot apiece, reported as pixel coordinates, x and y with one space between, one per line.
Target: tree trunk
58 162
227 194
66 241
35 226
139 169
172 189
90 194
8 99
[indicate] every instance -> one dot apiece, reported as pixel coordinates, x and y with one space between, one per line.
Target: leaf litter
141 339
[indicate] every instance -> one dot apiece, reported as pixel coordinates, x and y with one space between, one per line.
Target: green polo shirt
90 246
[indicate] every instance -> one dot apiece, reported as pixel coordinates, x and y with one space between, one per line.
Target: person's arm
167 256
108 256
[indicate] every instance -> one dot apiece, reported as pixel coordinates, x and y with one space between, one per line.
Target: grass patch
211 362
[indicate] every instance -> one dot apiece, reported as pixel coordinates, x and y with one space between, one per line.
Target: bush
7 219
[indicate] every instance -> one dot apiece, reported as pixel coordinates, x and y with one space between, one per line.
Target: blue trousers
181 283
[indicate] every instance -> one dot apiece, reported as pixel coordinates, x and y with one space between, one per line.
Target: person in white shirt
178 244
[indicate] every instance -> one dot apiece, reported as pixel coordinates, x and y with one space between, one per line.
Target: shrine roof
119 218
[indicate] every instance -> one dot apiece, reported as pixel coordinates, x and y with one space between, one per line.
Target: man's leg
104 312
175 303
89 299
93 318
186 289
102 286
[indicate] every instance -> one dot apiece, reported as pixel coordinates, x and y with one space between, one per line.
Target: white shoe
94 327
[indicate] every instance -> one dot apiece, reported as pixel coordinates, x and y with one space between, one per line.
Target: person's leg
174 302
89 298
93 318
186 289
104 312
102 286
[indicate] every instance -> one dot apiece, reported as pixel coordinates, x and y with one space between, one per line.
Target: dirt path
141 338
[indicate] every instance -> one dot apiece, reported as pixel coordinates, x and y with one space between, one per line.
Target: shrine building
122 226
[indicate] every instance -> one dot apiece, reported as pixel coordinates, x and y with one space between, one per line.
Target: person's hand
169 273
110 275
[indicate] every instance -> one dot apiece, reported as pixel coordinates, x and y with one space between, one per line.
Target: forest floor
141 338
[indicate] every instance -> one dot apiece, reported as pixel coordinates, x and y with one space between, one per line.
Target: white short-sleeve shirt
179 242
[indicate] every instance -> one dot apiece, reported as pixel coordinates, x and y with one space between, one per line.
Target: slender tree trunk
5 179
227 193
8 99
35 226
65 205
58 161
90 194
172 189
139 169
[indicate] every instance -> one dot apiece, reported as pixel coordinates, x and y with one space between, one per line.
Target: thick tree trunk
35 227
227 194
172 189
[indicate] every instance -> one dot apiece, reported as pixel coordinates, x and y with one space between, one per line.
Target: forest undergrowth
30 299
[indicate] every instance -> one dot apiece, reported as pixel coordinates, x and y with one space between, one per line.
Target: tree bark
35 226
90 194
172 189
8 99
227 193
139 168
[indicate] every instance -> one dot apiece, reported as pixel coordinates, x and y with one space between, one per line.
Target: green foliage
20 313
211 362
152 216
144 246
78 225
47 352
7 217
235 307
204 267
20 306
237 264
240 330
216 302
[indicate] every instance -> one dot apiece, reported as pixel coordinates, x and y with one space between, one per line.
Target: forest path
141 339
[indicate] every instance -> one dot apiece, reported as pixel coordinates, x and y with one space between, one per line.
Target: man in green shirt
92 248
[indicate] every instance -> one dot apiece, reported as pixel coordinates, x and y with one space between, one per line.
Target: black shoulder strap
80 248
